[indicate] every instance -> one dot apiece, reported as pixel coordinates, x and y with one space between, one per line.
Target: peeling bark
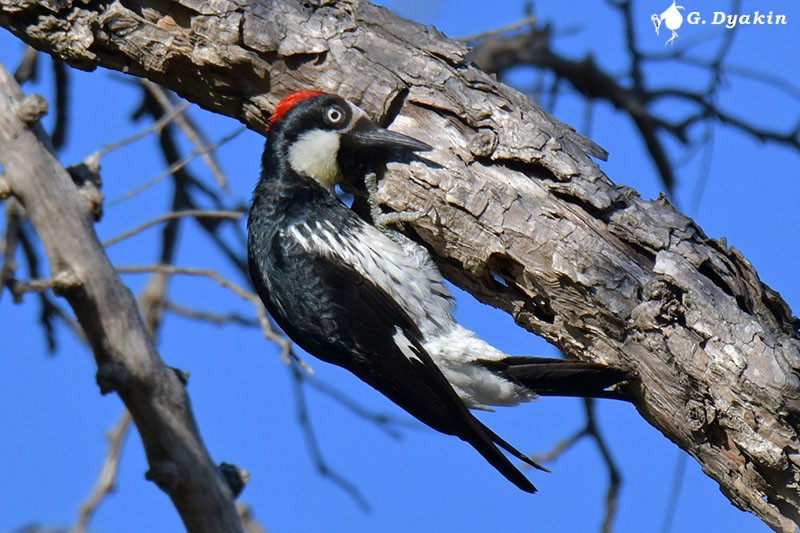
587 264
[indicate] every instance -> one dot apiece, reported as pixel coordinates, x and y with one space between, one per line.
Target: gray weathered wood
107 311
587 264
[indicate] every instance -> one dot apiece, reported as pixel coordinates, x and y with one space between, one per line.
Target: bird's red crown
289 102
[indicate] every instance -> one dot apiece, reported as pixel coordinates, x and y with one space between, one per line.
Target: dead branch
108 473
126 359
192 213
587 264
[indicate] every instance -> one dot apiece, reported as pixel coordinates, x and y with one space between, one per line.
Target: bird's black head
318 133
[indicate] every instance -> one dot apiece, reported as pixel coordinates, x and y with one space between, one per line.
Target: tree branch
587 264
126 359
106 480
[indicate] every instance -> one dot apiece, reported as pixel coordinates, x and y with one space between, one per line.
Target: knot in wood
67 283
698 415
670 299
112 377
236 478
483 143
31 108
163 473
5 188
183 375
86 175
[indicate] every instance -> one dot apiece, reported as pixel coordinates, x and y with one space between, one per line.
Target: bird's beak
367 135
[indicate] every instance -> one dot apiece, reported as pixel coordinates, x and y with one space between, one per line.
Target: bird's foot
674 36
382 220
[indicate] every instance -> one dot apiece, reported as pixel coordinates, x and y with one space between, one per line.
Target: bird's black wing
346 319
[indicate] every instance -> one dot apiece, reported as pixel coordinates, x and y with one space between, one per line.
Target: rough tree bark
127 362
587 264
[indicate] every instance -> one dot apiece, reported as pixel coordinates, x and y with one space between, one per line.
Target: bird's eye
334 115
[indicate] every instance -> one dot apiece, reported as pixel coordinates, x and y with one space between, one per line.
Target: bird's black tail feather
547 377
488 448
560 377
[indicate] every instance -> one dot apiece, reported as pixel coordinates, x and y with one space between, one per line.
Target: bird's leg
674 36
382 220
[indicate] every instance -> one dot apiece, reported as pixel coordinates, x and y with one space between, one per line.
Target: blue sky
54 419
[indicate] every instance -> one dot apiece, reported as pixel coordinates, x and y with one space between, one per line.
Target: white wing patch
406 272
405 345
400 267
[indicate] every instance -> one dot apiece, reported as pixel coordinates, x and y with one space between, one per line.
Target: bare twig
384 421
614 477
191 271
61 82
249 522
192 132
324 470
527 21
560 448
50 310
194 213
155 127
108 473
591 430
269 332
214 318
675 492
8 269
26 70
177 166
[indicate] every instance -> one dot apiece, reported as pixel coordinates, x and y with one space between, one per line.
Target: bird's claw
383 220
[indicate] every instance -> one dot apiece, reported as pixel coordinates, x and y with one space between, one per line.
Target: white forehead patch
314 154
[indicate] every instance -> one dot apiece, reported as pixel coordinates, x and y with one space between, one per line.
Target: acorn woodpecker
371 300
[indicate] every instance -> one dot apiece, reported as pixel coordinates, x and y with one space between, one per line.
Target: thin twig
194 134
61 83
249 521
560 448
108 474
298 378
591 430
675 492
287 354
155 127
195 213
177 166
37 285
614 476
214 318
26 70
527 21
14 213
191 271
384 421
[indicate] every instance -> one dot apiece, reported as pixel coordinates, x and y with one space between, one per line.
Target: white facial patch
314 154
